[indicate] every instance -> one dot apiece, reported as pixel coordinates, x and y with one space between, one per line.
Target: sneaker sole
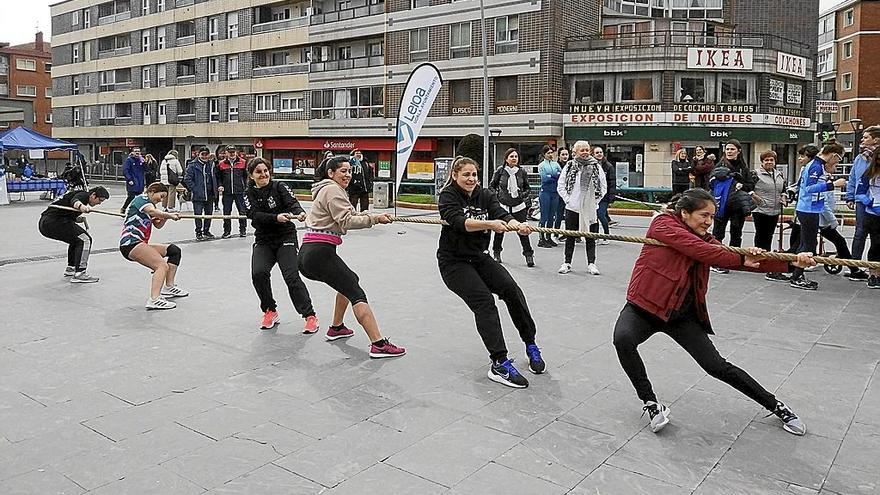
175 295
803 288
662 425
376 355
777 280
793 431
275 323
497 379
873 286
538 372
154 308
331 339
80 281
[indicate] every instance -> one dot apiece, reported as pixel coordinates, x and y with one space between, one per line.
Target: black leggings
264 257
765 226
635 326
131 196
572 222
65 230
318 261
736 229
809 237
872 227
475 281
498 241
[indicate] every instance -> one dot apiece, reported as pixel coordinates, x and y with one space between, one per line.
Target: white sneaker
69 271
173 291
159 303
564 268
593 269
83 278
659 415
604 242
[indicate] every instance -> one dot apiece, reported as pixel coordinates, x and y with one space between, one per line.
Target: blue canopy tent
22 138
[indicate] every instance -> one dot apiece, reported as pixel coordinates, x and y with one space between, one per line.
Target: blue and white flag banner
421 89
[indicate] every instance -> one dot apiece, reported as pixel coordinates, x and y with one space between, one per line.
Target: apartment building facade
665 75
26 85
293 79
848 79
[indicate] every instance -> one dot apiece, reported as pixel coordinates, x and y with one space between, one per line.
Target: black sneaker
226 235
497 256
530 261
659 415
858 275
505 374
777 277
209 235
200 236
803 283
242 233
551 242
719 270
536 364
874 282
790 421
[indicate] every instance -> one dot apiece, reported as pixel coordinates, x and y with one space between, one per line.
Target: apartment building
26 85
292 79
848 79
664 75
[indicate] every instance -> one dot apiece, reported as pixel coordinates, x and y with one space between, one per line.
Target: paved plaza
99 396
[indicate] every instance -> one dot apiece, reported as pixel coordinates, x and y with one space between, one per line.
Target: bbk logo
793 135
719 134
613 133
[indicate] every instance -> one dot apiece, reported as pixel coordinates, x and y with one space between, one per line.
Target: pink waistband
321 237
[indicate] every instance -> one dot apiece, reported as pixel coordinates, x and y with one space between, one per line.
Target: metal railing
183 3
185 40
186 118
265 27
187 79
124 120
115 52
275 70
110 19
348 63
346 14
666 38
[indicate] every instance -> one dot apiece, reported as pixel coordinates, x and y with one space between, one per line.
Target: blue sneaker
505 374
536 364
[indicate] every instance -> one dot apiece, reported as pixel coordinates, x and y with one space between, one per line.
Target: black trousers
203 208
635 326
809 237
498 240
362 199
129 198
318 261
840 245
475 281
572 222
264 257
736 229
238 199
872 228
765 227
64 230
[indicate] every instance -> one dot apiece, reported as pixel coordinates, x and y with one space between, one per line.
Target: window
160 76
76 118
21 90
213 69
87 18
160 38
213 24
186 68
507 34
161 113
147 114
214 110
232 108
145 77
48 92
145 40
825 61
849 18
460 96
160 5
373 50
845 113
505 91
74 18
48 119
846 83
364 102
185 29
76 85
343 53
48 67
26 64
106 112
292 102
145 8
232 25
75 56
265 103
419 3
692 89
736 89
232 66
418 45
589 91
848 49
637 88
460 40
186 107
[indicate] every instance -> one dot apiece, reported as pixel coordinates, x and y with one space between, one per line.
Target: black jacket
455 207
232 176
611 179
498 185
263 204
740 171
681 171
362 180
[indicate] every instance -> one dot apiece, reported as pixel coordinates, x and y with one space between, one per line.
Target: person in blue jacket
201 181
870 141
548 198
811 203
867 194
133 170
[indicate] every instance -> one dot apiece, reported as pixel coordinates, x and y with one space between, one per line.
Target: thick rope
874 265
183 216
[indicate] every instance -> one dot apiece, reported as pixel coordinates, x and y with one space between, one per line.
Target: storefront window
736 89
589 91
634 88
692 89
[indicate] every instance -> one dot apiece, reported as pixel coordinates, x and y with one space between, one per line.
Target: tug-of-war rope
874 265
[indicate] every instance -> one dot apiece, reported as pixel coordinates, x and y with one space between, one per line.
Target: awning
22 138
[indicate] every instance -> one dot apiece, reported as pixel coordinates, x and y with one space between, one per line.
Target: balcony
123 120
270 26
277 70
116 52
348 63
183 3
186 40
342 15
827 95
186 118
110 19
118 86
685 39
187 79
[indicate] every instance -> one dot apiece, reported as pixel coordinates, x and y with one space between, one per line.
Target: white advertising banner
648 118
704 58
421 89
826 106
791 65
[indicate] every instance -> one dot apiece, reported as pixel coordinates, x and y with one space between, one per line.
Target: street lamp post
486 172
857 129
493 133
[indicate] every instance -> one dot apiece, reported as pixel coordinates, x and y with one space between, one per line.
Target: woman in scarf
702 169
581 186
511 184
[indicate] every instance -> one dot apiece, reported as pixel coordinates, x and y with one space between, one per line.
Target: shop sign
719 58
461 110
103 150
713 108
506 108
689 133
777 89
133 143
791 112
826 106
684 118
420 170
282 165
385 169
615 108
791 65
258 143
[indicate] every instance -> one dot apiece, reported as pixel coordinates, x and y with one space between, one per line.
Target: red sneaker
386 350
342 332
270 319
311 325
